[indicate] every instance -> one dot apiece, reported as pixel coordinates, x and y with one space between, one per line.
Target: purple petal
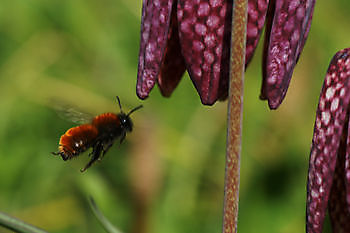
309 20
173 66
204 28
347 169
338 211
285 38
256 20
329 124
154 35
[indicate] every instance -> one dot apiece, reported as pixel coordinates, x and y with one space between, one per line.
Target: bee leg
56 153
105 150
96 152
63 155
122 138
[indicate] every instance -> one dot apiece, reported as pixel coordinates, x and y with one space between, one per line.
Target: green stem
234 116
17 225
106 224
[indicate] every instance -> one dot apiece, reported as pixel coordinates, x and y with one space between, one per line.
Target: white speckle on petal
326 117
330 93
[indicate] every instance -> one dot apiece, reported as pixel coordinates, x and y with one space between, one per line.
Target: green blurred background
168 175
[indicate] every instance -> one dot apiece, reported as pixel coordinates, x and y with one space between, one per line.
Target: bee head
125 119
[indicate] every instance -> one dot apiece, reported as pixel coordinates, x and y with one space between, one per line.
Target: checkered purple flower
194 35
328 185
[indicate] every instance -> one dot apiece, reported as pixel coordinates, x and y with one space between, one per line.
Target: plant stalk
106 224
17 225
234 116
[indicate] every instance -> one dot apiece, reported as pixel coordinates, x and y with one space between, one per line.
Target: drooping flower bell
328 185
194 35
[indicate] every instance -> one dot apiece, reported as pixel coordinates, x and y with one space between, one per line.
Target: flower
194 35
329 164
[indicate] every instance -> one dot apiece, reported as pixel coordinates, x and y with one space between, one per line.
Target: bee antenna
120 105
134 109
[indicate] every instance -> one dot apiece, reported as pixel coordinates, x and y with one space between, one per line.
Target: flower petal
173 66
309 20
286 38
338 211
154 35
329 124
347 170
204 27
256 20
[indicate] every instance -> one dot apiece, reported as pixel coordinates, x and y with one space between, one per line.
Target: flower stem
17 225
234 116
106 224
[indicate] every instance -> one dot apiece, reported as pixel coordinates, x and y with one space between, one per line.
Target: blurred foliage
168 175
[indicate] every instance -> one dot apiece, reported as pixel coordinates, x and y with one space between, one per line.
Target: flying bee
100 134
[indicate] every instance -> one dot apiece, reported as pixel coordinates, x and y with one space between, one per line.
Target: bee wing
75 115
72 114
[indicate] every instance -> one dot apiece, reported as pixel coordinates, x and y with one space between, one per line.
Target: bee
100 134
